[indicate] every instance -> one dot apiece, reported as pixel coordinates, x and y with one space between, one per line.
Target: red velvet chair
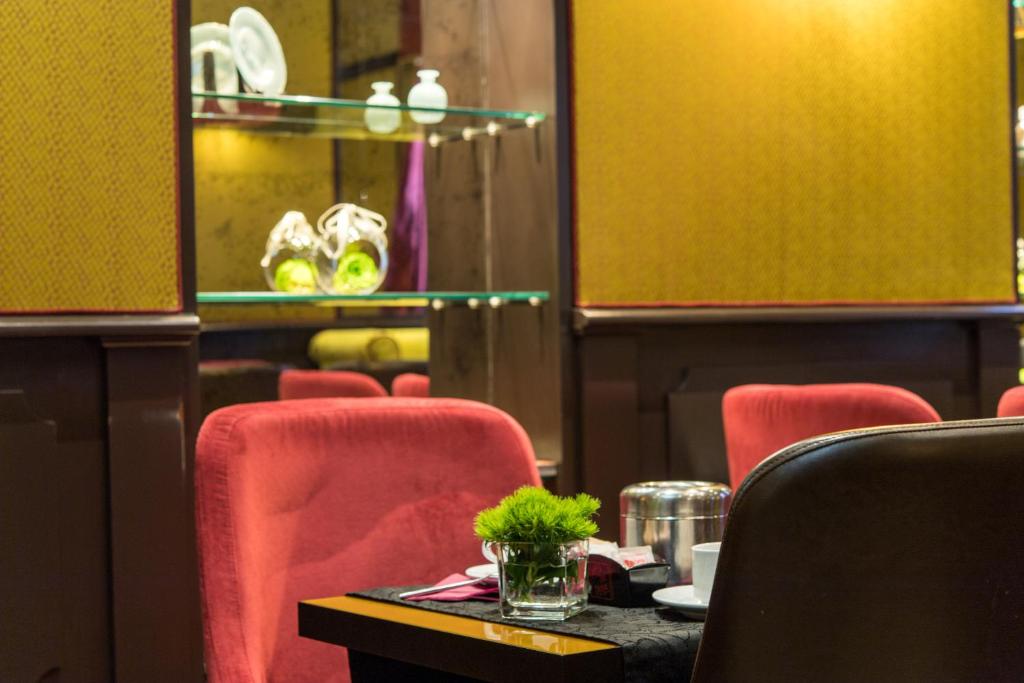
1011 404
761 419
411 384
327 384
316 498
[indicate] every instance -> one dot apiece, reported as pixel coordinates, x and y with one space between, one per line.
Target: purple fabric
408 239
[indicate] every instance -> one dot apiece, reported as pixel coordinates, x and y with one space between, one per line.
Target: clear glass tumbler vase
542 581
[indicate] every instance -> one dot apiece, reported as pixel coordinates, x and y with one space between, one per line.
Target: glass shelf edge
434 135
401 299
310 100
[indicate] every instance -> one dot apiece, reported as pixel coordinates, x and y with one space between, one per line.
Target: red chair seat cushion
411 384
316 498
1011 403
761 419
295 384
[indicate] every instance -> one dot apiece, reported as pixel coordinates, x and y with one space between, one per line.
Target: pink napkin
485 590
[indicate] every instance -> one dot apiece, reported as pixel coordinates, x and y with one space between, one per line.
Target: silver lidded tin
672 517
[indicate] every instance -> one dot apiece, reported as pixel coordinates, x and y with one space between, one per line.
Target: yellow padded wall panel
88 156
792 151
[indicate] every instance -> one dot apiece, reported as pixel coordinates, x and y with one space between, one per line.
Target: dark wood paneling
610 421
523 219
650 396
186 173
151 433
455 182
595 319
92 325
570 475
54 581
998 360
493 214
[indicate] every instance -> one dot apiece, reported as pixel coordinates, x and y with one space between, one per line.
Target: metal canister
672 517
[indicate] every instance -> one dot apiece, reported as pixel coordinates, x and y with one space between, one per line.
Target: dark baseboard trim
585 319
182 324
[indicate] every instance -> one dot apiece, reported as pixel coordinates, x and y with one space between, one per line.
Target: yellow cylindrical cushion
370 344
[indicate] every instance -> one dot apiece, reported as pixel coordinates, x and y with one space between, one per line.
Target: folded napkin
485 590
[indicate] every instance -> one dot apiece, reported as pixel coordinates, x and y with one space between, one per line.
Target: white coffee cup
705 560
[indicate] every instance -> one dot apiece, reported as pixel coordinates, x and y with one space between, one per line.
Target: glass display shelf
309 116
436 300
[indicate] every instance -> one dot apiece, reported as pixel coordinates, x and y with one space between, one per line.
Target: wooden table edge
471 647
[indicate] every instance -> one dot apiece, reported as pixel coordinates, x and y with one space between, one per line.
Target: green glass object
296 276
356 273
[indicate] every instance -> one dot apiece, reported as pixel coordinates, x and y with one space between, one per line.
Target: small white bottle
382 121
428 93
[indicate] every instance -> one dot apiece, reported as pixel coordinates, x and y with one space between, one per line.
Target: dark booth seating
891 554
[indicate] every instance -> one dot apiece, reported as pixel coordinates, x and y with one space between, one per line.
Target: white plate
257 51
682 599
481 570
213 37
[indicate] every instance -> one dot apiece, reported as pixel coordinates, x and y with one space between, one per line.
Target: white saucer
481 570
257 51
682 599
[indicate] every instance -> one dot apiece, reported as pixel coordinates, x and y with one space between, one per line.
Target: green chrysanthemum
533 514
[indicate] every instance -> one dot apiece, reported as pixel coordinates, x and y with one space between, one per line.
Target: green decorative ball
356 273
296 276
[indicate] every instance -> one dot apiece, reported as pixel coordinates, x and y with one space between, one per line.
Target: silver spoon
443 587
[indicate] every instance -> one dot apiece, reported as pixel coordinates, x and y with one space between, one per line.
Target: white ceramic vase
382 121
428 93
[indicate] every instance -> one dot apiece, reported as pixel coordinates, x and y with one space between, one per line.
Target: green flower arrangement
534 515
535 532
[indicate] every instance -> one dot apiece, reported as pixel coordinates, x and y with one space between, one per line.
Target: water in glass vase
542 581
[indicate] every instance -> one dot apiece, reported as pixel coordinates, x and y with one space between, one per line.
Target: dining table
391 639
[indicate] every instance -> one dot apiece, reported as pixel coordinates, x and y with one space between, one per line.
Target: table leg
367 668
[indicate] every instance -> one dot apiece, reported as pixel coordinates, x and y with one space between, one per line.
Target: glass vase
354 249
291 262
542 581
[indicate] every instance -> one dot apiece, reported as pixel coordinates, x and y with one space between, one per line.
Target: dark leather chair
888 554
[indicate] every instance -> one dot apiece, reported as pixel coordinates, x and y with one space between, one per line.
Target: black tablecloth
658 644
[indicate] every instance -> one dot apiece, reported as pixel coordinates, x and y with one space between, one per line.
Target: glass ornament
354 245
290 261
382 119
428 93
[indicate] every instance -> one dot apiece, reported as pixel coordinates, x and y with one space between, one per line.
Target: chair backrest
1011 403
761 419
327 384
316 498
411 384
892 554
